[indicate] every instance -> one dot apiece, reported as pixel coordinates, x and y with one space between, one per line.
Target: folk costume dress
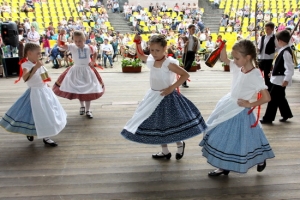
230 143
163 119
37 112
80 81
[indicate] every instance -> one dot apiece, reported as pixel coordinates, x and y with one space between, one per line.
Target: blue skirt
174 119
19 118
233 145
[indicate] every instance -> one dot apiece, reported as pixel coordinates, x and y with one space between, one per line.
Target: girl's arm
223 56
183 77
264 99
28 74
139 48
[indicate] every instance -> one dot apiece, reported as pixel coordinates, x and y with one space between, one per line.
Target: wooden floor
93 161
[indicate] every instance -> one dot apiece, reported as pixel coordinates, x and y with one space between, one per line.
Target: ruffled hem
81 97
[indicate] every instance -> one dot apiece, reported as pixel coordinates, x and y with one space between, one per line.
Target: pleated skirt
174 119
233 145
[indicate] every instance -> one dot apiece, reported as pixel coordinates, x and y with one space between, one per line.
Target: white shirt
210 44
33 37
191 43
262 55
107 47
289 69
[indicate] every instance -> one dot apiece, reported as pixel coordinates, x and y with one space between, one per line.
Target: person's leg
272 106
284 107
165 153
104 59
88 112
82 108
190 57
110 60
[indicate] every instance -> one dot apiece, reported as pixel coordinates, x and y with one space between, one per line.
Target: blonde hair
30 47
246 47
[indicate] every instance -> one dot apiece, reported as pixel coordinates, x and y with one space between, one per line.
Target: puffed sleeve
258 81
27 65
233 67
150 61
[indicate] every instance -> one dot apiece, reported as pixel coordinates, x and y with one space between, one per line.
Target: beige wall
169 3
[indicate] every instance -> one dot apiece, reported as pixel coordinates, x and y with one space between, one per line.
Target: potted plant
194 67
226 67
131 65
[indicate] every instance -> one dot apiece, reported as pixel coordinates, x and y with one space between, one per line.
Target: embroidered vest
270 47
279 63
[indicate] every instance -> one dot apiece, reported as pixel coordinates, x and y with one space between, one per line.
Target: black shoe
162 155
180 155
265 122
213 173
284 119
82 110
261 168
49 142
30 138
185 86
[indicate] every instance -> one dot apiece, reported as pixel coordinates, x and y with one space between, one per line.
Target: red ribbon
258 107
137 47
21 70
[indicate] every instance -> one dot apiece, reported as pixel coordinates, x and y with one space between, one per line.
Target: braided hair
246 47
159 39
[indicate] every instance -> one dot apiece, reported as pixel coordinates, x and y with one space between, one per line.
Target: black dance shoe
180 155
214 173
50 142
265 122
284 119
30 138
261 168
160 155
82 110
185 86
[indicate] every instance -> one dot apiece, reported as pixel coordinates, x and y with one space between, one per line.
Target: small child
46 46
37 112
281 77
164 116
233 142
81 81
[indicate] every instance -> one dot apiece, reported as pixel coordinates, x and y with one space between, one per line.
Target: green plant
180 61
224 64
131 62
194 63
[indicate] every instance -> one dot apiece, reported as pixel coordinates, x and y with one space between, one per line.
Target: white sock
179 147
218 170
260 164
82 103
165 150
47 139
87 105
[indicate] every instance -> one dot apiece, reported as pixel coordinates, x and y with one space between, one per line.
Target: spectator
176 8
231 22
223 21
116 7
25 8
109 4
202 37
259 17
5 8
151 8
79 7
86 7
246 13
63 21
164 7
239 13
267 18
46 46
107 52
219 40
115 45
210 45
35 24
289 13
30 4
139 8
251 27
33 36
92 4
216 4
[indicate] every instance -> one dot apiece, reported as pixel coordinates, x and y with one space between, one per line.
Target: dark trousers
266 66
278 100
188 59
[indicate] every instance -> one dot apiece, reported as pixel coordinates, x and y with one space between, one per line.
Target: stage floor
93 161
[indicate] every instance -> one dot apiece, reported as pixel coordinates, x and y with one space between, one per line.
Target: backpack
54 52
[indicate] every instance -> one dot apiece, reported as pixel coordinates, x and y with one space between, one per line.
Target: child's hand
285 83
137 37
166 91
92 64
38 64
244 103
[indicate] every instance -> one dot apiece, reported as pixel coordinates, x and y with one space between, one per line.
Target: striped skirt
233 145
19 118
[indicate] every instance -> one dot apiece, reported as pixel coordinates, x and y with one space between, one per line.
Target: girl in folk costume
234 140
164 116
37 112
81 81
